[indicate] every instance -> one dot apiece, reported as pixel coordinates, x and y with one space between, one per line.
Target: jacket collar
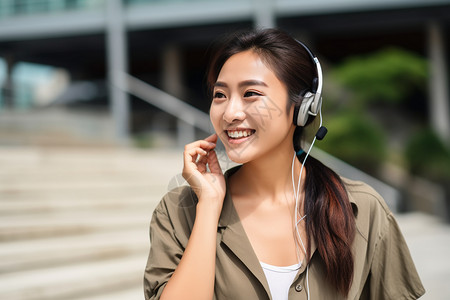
228 215
235 238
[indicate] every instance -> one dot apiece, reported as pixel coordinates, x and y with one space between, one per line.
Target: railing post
117 64
438 84
264 13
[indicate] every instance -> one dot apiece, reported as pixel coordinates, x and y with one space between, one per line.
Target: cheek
267 113
215 116
290 111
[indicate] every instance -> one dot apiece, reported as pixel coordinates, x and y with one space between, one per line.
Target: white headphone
312 100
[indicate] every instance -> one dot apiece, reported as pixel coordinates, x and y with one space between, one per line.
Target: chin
238 160
239 157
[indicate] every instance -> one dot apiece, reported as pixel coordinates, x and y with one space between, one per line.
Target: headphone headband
312 100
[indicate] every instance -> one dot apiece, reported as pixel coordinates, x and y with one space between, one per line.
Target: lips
239 133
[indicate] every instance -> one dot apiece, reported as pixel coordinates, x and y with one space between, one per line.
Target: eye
219 95
252 94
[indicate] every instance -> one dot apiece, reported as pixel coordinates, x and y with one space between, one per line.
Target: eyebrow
242 83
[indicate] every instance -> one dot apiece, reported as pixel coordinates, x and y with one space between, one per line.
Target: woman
269 228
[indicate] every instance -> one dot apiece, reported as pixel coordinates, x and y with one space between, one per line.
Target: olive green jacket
383 268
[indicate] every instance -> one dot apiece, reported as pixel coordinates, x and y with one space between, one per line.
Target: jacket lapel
234 237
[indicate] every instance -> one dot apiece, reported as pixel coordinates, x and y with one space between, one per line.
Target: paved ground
74 223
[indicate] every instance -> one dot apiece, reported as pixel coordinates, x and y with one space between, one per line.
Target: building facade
163 42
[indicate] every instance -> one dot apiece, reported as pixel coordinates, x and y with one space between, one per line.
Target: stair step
135 293
86 181
41 253
44 205
94 193
69 282
30 226
19 158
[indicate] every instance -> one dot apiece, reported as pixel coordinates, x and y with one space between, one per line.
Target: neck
270 175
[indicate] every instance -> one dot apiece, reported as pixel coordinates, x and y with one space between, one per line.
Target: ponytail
330 222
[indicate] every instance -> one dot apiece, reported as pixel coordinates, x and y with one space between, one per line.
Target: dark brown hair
330 222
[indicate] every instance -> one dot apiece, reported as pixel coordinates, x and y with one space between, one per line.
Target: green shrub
388 76
428 156
355 140
143 140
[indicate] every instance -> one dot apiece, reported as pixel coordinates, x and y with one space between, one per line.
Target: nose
234 111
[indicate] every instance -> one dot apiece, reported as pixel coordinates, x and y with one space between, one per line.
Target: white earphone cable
297 196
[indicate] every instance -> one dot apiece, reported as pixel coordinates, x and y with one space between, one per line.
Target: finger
190 155
194 151
201 163
202 158
213 162
200 144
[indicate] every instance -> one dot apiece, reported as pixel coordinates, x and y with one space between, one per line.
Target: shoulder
380 248
181 198
176 212
363 195
372 214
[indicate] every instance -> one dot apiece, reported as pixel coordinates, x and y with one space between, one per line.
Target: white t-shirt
280 279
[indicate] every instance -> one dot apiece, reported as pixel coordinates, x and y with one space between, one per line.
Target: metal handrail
164 101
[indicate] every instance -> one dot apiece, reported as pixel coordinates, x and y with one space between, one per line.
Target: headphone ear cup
316 104
301 114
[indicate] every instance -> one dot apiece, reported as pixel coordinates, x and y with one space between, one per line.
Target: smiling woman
281 225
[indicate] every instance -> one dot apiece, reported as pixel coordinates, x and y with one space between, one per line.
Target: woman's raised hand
193 278
208 185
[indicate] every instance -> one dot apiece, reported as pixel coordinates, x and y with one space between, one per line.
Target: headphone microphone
321 133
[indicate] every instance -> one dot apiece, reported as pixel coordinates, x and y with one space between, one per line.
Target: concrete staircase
56 126
74 222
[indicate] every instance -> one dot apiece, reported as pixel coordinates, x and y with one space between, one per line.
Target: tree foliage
389 76
427 155
355 140
360 84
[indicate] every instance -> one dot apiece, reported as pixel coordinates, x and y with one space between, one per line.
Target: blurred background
97 97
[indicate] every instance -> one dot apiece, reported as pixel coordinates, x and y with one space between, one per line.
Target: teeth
238 134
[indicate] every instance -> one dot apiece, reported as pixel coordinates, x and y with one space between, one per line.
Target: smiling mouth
239 133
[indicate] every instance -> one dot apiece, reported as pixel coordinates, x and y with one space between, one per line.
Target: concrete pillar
438 85
172 83
172 71
264 13
117 64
